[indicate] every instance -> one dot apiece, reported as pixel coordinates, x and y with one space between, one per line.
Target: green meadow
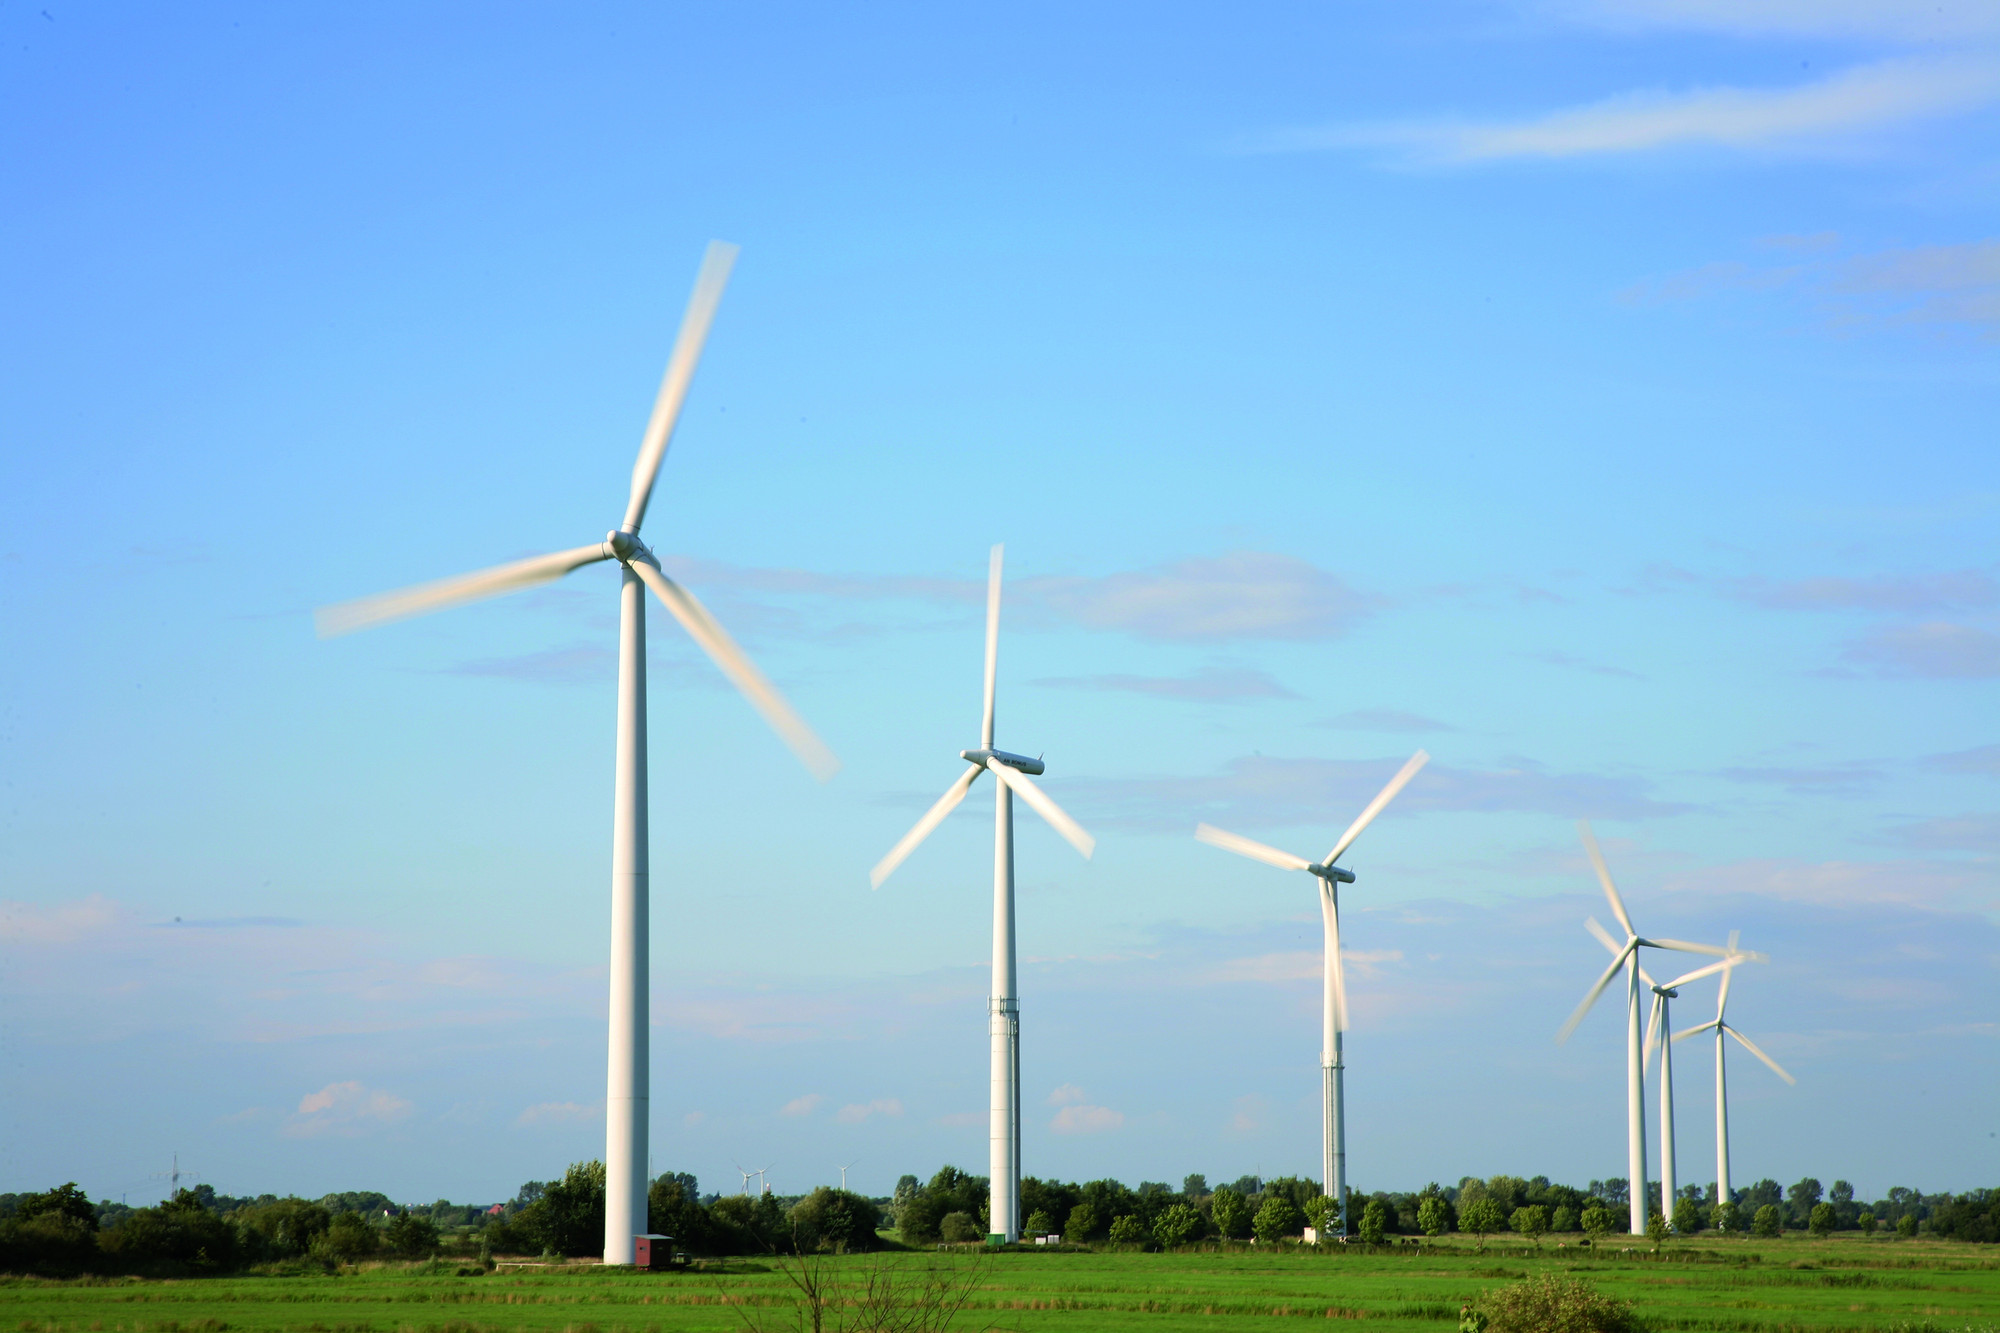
1784 1284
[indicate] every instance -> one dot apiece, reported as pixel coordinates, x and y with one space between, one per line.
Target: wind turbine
1003 1021
843 1174
1720 1026
1627 957
629 1075
1333 985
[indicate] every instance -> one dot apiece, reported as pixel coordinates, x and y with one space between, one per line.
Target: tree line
199 1231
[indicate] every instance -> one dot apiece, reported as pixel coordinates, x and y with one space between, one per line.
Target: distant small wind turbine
1719 1027
628 1078
1333 984
1627 957
843 1174
1003 1026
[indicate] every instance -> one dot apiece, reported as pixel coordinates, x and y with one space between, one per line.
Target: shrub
1597 1221
1867 1223
1906 1226
1231 1214
673 1208
1725 1217
347 1238
960 1228
1531 1221
179 1233
1374 1221
1563 1219
411 1237
1821 1220
1322 1214
1656 1228
1433 1215
1482 1218
1083 1224
283 1228
1178 1225
832 1219
1038 1224
1687 1217
1767 1222
1278 1218
1127 1229
1554 1304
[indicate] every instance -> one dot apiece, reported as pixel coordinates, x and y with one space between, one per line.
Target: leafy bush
1767 1222
410 1236
1565 1218
347 1238
1725 1217
1531 1221
1231 1213
1906 1226
831 1219
1038 1224
1866 1222
673 1208
283 1228
1687 1217
1374 1221
1083 1224
1552 1303
1482 1218
1434 1216
1821 1220
1128 1230
960 1228
1178 1225
179 1234
1597 1221
1278 1218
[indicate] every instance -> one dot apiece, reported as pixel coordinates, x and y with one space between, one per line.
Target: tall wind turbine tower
1003 1018
1720 1026
1627 957
629 1071
1333 986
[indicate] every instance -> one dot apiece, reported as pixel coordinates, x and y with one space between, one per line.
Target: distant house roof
496 1210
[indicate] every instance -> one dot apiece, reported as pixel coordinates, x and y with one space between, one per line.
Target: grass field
1840 1283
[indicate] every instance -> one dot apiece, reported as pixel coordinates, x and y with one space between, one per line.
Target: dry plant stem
886 1296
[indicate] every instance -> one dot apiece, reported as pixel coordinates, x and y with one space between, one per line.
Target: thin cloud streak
1209 685
1869 97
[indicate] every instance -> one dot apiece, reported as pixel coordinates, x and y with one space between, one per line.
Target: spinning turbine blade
922 828
1695 1031
1613 946
1604 876
1242 846
1595 991
1652 1032
1726 965
1751 1047
708 285
1332 919
1382 798
1714 949
742 672
1722 998
1046 808
346 617
992 643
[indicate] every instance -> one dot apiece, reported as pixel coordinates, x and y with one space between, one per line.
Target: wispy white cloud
799 1106
1243 595
855 1113
346 1110
560 1113
1872 97
1078 1116
55 923
1208 685
1892 20
1940 287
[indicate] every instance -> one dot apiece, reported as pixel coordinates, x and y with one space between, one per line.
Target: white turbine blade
1242 846
708 285
1332 918
1715 949
1725 966
1751 1047
742 672
922 828
1604 876
1652 1032
1722 997
346 617
992 642
1696 1030
1595 991
1603 935
1047 809
1382 798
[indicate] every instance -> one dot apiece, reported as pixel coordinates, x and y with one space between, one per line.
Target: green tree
53 1233
834 1220
179 1233
1866 1222
1564 1218
1481 1218
960 1228
1531 1220
1194 1186
1596 1222
673 1208
1767 1223
1725 1217
1906 1226
1656 1228
1687 1217
1230 1213
1083 1224
1179 1224
1803 1197
65 1201
1821 1220
1038 1224
1277 1219
410 1236
1374 1222
1129 1230
1433 1217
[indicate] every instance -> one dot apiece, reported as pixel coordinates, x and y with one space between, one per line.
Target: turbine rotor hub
1332 873
623 545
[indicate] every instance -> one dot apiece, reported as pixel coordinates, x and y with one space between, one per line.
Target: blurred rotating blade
992 642
1047 809
1382 798
1604 876
1242 846
1329 910
1596 991
708 285
922 828
1752 1047
346 617
742 672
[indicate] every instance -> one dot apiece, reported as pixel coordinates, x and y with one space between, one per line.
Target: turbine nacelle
1332 873
988 756
621 545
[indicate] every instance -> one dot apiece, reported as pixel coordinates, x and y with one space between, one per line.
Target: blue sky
1598 395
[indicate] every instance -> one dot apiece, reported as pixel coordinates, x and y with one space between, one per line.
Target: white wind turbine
1719 1026
1333 984
1627 956
1657 1025
629 1075
1003 1007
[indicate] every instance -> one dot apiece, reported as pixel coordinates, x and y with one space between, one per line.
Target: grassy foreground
1841 1283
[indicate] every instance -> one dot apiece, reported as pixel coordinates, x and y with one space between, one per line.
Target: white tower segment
1627 957
1333 984
1003 1010
628 1077
1720 1026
